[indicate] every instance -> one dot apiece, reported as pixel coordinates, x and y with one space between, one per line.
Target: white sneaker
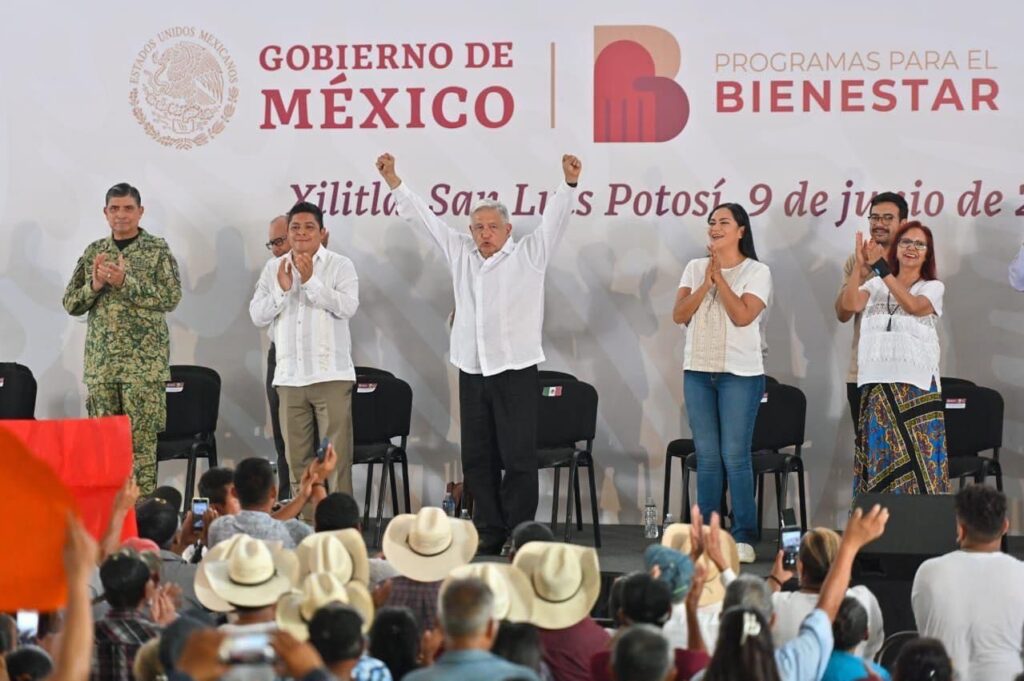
746 553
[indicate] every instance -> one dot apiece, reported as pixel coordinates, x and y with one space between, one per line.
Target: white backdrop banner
225 114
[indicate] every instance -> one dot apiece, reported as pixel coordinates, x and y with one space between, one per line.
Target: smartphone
199 506
28 622
321 451
247 648
789 539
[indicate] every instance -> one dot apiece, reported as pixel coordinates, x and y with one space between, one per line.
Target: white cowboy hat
513 595
244 571
565 580
340 552
297 608
677 536
426 546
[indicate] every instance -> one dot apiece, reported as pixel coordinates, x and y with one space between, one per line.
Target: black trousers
283 474
499 431
853 397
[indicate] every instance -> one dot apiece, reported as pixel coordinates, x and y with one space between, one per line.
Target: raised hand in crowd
124 501
862 529
163 606
571 166
386 168
188 535
779 574
73 653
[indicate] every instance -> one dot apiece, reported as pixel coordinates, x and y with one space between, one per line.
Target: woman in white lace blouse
901 445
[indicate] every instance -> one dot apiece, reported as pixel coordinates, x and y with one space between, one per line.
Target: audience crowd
252 592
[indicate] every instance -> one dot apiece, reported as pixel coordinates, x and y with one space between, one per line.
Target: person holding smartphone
720 301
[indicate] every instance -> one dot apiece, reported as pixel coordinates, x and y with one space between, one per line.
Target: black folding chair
381 412
780 423
891 647
566 427
193 404
17 391
974 424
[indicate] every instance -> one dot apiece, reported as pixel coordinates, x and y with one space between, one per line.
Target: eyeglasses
886 219
916 245
274 243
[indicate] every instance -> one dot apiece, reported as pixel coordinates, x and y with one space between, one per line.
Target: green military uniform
127 345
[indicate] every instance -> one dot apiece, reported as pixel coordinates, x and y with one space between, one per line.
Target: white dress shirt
499 301
310 321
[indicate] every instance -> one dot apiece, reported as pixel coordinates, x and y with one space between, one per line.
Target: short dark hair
307 207
157 520
8 633
528 531
851 624
645 600
336 631
120 190
124 579
982 511
519 643
923 659
174 636
395 639
641 653
30 663
254 481
337 511
213 484
466 607
169 494
892 197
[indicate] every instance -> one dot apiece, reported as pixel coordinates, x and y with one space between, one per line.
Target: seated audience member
925 659
642 653
527 531
147 665
424 548
469 626
256 487
566 581
973 599
336 631
319 590
817 551
200 659
806 656
718 556
338 511
849 630
169 494
648 600
173 637
122 631
395 640
519 643
218 485
158 521
28 663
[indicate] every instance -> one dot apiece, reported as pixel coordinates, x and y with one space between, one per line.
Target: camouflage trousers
145 405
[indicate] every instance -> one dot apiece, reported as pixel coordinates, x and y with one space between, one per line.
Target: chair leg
579 501
667 496
685 515
382 494
405 482
783 479
211 456
594 512
369 496
760 504
780 500
802 495
569 502
554 501
190 474
394 488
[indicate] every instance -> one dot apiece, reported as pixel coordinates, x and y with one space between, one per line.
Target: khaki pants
328 405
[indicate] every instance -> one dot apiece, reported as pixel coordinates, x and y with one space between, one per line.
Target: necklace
891 309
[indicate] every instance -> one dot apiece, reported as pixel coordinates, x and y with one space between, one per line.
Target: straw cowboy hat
565 580
513 595
677 536
426 546
244 571
296 609
340 552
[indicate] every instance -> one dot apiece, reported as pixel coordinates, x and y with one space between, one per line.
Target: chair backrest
890 650
381 408
781 418
555 375
567 413
950 380
17 391
974 419
371 371
193 401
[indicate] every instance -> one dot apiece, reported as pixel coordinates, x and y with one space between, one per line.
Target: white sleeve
341 297
690 276
416 212
541 243
269 298
871 286
760 283
934 291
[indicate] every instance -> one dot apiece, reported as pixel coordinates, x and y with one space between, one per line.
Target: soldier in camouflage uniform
127 283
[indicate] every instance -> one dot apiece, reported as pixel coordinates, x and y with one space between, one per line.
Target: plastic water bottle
465 514
448 504
666 522
650 520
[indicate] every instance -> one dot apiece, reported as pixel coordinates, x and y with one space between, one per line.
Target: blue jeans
722 408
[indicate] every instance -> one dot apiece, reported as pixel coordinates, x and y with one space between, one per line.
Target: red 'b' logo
635 98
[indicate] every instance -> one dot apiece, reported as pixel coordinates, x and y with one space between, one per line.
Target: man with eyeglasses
278 245
887 213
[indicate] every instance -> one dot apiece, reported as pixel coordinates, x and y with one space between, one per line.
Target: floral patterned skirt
902 442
